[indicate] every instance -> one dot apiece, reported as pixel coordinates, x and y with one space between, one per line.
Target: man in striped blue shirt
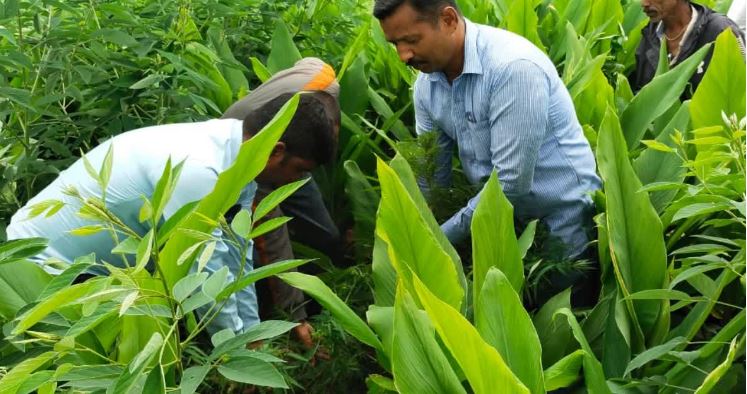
500 101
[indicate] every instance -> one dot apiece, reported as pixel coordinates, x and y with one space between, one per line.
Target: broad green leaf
192 378
260 273
526 238
222 336
38 383
164 188
128 381
392 123
229 66
49 206
412 245
657 97
264 330
481 363
381 320
722 87
252 371
144 248
383 274
269 225
14 378
105 172
522 20
593 373
66 278
616 337
251 160
215 283
418 363
380 384
277 196
565 372
403 170
353 84
205 255
345 316
87 323
242 223
700 209
53 303
554 334
284 52
19 249
87 230
364 200
653 353
187 285
262 73
164 232
128 246
635 233
128 301
189 253
77 373
502 321
494 241
155 383
354 50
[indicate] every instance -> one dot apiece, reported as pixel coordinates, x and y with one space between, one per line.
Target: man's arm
519 106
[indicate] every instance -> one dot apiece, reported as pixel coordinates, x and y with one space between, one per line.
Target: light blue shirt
510 111
139 157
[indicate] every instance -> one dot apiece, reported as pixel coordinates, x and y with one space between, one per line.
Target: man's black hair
309 135
428 9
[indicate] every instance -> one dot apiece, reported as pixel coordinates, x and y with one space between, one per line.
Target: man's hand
303 333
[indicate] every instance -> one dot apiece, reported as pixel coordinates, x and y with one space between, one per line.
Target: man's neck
678 21
456 65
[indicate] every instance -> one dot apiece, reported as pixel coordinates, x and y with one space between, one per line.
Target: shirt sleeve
240 310
519 106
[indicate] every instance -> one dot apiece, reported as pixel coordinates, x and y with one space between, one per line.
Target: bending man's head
428 34
309 140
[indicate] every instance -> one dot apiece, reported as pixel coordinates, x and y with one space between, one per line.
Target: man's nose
405 53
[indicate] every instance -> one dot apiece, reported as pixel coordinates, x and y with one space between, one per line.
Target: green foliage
671 220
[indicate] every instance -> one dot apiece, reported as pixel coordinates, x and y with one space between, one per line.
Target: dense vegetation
670 219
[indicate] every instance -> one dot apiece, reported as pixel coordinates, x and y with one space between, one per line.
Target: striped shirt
510 111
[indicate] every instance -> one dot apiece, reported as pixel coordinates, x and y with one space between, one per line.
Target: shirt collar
471 57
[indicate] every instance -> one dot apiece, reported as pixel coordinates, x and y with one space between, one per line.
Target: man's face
283 168
420 43
657 10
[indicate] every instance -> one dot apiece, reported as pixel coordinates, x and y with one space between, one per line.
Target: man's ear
450 18
278 151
